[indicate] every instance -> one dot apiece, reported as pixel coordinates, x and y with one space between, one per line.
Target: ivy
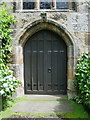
82 81
8 82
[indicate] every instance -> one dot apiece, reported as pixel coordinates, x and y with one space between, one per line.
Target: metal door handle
49 70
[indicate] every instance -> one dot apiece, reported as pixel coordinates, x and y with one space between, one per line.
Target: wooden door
45 64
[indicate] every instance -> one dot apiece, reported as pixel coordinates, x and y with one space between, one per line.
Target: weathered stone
58 16
87 39
71 25
44 106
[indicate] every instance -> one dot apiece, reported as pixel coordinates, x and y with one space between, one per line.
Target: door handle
49 70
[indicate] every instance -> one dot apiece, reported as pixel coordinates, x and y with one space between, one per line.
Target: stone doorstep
43 107
46 97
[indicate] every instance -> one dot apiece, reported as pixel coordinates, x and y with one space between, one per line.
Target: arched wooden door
45 64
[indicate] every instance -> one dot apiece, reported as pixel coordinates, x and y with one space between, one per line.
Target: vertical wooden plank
34 64
27 63
45 61
65 68
55 64
61 66
30 63
41 64
49 67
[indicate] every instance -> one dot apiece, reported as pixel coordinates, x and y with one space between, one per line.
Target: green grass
79 110
8 107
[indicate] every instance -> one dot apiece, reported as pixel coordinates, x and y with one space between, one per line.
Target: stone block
71 94
19 92
70 86
17 58
87 39
70 73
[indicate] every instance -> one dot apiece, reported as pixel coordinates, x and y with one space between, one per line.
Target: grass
9 105
79 110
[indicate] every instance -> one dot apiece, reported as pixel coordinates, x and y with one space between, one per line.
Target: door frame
72 49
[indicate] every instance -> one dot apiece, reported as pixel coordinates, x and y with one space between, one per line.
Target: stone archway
41 24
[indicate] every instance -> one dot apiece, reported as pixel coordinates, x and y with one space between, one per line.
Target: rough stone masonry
72 24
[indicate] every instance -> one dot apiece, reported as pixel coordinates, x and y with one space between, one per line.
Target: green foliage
5 38
8 83
82 81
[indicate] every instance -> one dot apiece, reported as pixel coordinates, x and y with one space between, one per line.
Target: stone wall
75 22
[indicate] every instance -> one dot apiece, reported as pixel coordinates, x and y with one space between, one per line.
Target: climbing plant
8 83
82 81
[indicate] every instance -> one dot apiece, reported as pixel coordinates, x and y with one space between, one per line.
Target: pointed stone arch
38 25
41 24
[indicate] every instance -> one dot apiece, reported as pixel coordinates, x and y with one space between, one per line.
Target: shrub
8 82
82 81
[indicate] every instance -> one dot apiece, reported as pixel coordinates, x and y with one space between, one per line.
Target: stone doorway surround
32 28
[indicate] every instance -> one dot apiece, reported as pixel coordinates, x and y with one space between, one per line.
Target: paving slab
54 106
